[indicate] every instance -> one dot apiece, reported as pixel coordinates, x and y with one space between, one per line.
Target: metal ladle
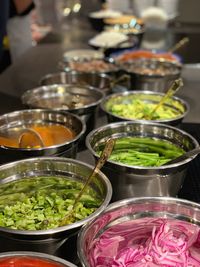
176 85
29 138
101 161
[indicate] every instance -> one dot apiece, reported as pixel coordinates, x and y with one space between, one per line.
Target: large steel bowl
14 258
148 97
13 124
131 209
97 80
136 181
50 241
58 96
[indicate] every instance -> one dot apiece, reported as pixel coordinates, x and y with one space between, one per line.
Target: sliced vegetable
40 203
147 242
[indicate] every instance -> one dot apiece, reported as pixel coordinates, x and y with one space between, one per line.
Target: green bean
142 151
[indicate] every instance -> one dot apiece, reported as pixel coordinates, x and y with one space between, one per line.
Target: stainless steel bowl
58 96
155 81
97 80
30 255
50 241
151 97
131 209
12 124
136 181
111 69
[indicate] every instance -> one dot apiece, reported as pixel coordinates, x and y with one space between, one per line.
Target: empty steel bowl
151 74
80 100
129 211
31 258
51 240
97 80
129 99
13 124
136 181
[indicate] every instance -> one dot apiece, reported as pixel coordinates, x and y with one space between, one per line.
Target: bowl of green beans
138 165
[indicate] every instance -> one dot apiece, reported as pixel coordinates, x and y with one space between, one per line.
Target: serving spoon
185 156
176 85
29 138
99 164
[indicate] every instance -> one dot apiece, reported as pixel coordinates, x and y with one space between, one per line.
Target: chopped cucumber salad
137 107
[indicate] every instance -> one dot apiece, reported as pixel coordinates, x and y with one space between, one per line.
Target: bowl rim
73 72
60 229
121 203
45 88
74 140
63 66
36 255
145 92
129 167
162 61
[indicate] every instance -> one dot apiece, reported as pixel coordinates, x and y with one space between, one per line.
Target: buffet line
146 224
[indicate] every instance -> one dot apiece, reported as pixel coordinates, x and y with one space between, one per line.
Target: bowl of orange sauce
35 133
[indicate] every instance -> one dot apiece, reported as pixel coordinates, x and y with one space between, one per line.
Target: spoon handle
101 161
180 44
177 84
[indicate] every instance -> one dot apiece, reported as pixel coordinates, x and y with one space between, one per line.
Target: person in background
19 27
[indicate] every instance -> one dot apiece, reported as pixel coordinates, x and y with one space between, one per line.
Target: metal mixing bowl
42 258
135 181
58 96
97 80
50 241
155 81
12 125
176 103
131 209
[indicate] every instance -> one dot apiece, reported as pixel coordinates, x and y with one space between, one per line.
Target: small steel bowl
96 80
131 209
39 259
12 124
149 97
137 181
153 79
57 96
50 241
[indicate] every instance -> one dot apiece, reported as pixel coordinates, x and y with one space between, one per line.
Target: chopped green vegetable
41 203
143 151
137 107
